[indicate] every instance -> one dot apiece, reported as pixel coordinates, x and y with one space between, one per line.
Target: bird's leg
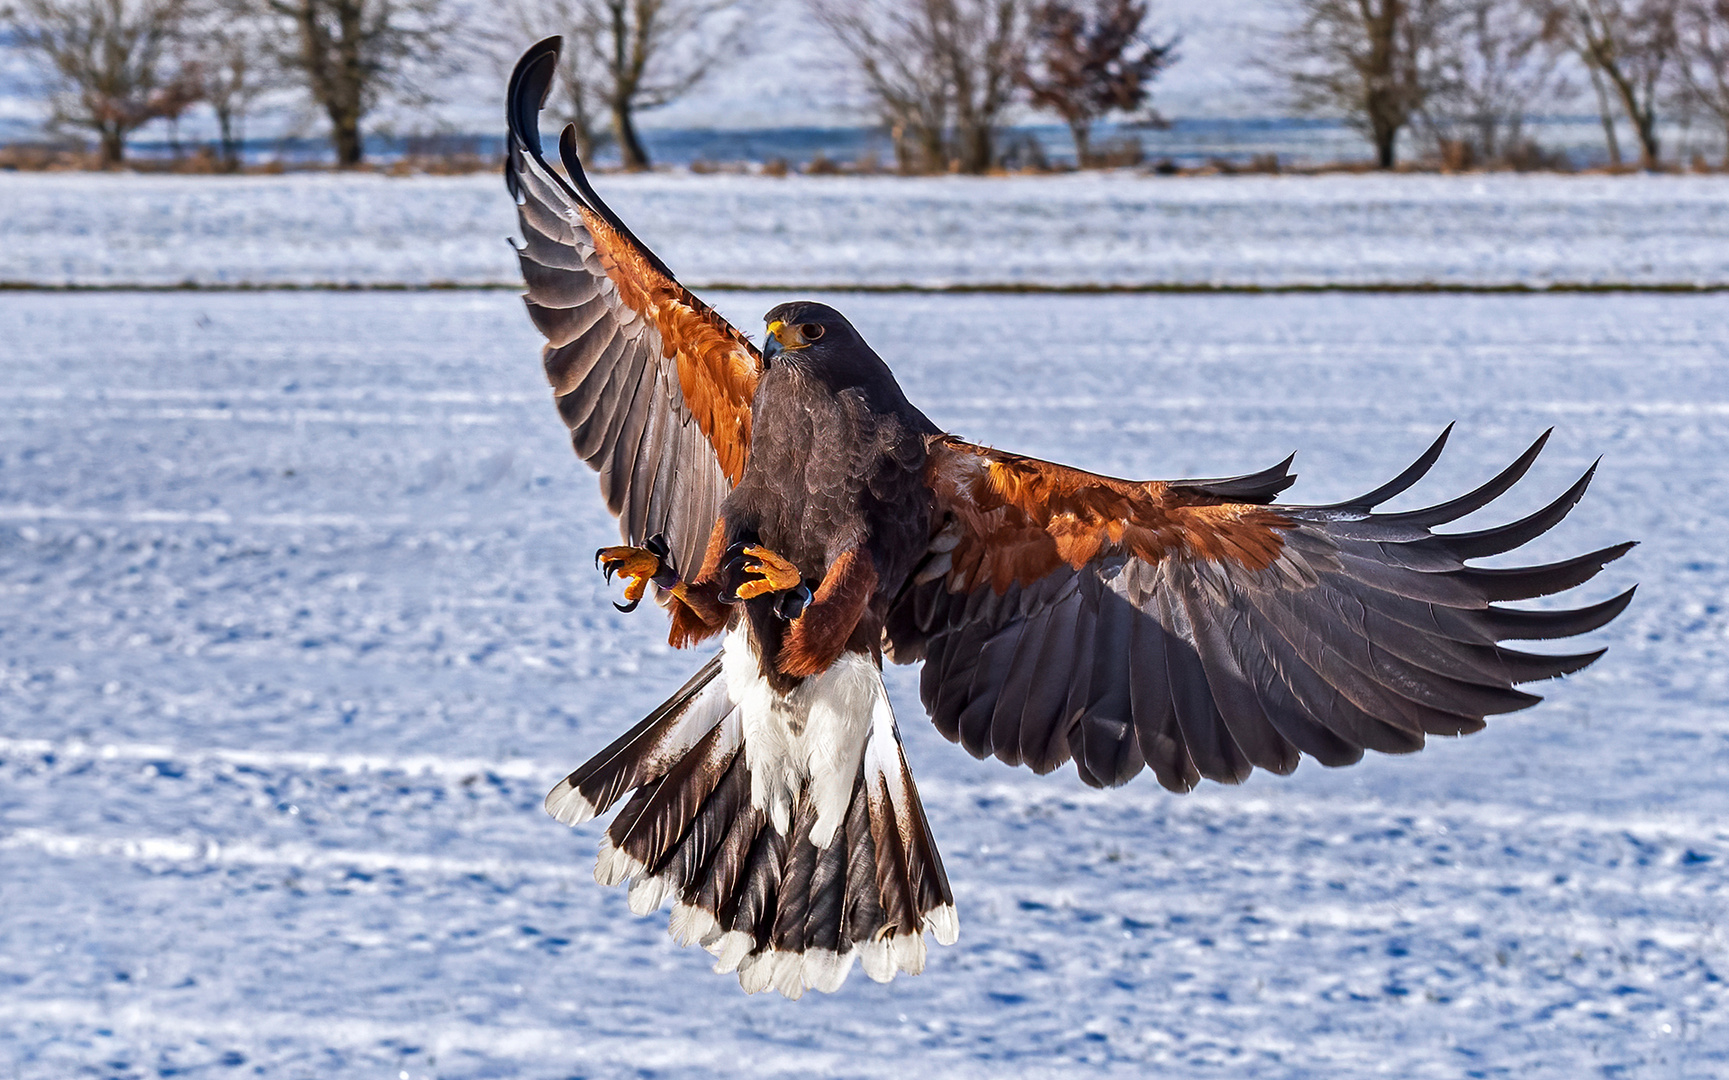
818 635
763 572
638 566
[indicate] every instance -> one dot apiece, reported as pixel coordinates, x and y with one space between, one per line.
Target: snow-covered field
300 623
1120 229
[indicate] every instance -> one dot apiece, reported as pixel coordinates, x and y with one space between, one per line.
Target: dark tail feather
645 752
869 895
781 911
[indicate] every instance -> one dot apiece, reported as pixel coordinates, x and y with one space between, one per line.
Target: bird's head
811 330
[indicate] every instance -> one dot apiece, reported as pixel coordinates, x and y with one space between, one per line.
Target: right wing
1200 629
654 385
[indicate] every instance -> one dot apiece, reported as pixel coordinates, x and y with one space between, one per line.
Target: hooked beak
784 338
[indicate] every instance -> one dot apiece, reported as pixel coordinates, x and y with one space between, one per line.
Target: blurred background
870 85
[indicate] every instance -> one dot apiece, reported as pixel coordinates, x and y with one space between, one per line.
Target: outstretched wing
655 386
1197 628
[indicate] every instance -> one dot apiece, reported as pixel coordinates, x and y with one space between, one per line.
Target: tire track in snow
433 1040
264 416
216 396
27 512
1337 816
291 760
207 851
210 851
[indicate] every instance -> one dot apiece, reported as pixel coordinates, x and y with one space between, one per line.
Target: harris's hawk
793 501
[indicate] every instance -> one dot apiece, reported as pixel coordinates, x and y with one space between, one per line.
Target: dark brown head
815 331
819 341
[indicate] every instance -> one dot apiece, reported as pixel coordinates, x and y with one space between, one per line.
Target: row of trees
1468 72
940 72
113 66
942 75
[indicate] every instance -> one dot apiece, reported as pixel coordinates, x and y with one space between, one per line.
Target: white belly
811 739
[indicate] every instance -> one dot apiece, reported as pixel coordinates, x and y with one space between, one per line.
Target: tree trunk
351 80
113 145
1648 140
228 138
903 147
1644 120
1082 131
933 150
630 149
1386 138
1645 127
1385 111
975 153
1608 118
345 135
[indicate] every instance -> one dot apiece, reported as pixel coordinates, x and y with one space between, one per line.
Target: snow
807 232
301 624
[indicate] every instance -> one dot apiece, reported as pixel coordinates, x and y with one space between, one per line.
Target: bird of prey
791 501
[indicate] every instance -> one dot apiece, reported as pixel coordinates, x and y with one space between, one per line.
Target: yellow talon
752 589
628 562
637 566
771 573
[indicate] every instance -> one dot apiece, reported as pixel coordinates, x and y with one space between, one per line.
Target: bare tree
649 53
1494 70
892 42
111 62
942 72
621 57
1373 61
1090 59
985 40
229 53
1702 37
580 101
1628 47
351 54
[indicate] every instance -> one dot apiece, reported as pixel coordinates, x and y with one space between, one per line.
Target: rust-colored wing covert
654 385
1199 629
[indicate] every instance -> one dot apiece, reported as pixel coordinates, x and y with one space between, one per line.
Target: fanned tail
792 908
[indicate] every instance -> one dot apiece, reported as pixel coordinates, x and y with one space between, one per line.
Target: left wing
654 385
1197 628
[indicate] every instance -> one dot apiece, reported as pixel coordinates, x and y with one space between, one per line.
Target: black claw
667 576
626 608
598 552
793 602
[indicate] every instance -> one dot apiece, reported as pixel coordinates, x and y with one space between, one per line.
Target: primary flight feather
792 501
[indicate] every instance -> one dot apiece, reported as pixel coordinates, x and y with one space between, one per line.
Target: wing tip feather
530 82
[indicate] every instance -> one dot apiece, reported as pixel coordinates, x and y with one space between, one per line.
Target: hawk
791 501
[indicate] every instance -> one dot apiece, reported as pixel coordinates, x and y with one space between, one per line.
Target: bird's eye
811 331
